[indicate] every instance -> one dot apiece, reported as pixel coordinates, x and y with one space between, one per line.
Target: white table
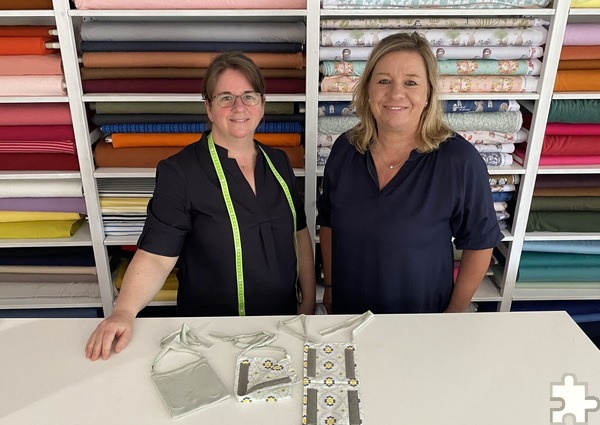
480 368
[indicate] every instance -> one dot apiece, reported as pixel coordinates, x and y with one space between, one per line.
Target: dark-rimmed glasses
227 100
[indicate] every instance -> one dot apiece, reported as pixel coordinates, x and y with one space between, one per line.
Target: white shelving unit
68 22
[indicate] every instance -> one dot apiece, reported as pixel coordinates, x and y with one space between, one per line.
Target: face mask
261 377
190 387
331 383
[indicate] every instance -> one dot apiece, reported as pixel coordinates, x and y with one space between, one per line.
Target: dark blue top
392 248
187 217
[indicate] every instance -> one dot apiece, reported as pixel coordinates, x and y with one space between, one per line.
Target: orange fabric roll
31 65
142 157
579 64
25 30
279 139
129 140
577 80
295 154
25 4
579 52
183 59
25 46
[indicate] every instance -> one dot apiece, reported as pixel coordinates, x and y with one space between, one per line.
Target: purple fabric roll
43 204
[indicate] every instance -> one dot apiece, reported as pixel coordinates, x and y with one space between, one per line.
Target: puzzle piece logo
575 401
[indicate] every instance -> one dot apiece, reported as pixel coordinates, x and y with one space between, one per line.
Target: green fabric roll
532 259
563 221
565 203
559 274
575 110
176 108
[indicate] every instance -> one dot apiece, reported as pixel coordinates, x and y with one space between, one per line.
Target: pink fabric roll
36 132
519 156
582 34
488 83
35 114
32 85
190 4
27 146
572 129
30 65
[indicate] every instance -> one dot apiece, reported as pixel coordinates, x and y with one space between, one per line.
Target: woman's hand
117 329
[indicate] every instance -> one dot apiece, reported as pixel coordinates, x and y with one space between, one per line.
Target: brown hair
432 130
231 60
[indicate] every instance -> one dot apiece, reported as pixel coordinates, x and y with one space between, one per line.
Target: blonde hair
432 130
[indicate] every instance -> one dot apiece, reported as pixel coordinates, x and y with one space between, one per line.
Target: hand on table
117 329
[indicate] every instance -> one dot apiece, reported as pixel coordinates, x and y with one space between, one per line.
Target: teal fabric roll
559 274
572 247
489 67
531 259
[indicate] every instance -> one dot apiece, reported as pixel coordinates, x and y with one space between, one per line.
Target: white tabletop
479 368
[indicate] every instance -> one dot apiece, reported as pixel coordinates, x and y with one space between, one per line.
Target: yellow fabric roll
18 216
171 283
40 229
585 3
110 202
166 295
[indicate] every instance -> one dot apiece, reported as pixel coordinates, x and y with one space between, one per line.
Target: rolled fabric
37 132
457 4
571 145
176 108
184 59
19 216
143 157
500 147
567 180
32 85
57 204
31 188
577 80
188 46
496 179
339 83
104 119
39 161
279 140
567 192
488 83
575 111
106 73
519 156
47 146
336 124
579 64
26 30
50 64
488 105
190 4
40 229
219 31
581 34
494 137
565 203
438 22
489 67
585 3
564 221
263 127
132 140
496 159
580 52
342 67
25 5
505 122
572 129
294 153
26 46
573 247
16 114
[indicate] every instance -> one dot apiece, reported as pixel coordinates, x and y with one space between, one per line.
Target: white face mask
190 387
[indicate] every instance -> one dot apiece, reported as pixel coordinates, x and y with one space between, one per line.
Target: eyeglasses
227 100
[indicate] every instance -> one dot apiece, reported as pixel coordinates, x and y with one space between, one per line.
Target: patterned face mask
261 377
331 383
190 387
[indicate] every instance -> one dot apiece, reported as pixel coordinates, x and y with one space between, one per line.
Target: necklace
391 167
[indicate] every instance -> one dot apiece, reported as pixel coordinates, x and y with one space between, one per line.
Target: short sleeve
168 218
474 223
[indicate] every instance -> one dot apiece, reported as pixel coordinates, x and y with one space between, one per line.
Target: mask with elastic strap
192 386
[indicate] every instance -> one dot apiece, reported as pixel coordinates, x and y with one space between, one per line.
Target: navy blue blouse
187 217
392 248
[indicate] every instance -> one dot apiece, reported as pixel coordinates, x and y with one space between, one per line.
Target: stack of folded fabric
30 64
503 188
137 139
123 204
492 126
171 57
572 135
334 119
474 55
189 4
565 203
579 64
37 136
454 4
39 208
560 264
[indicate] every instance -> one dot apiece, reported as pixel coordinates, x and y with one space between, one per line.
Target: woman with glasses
226 210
